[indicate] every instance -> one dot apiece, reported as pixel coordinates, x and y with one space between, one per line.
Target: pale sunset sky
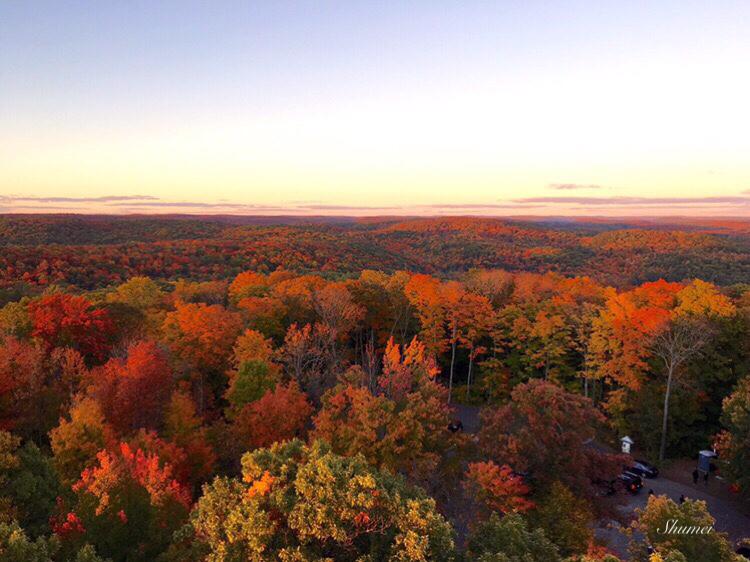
375 107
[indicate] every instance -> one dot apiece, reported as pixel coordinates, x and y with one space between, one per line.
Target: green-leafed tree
298 502
508 539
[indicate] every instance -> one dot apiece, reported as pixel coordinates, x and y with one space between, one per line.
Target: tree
509 540
29 484
22 380
548 433
185 428
733 443
60 320
138 292
252 345
305 357
248 284
76 442
475 321
660 513
698 306
622 334
401 425
451 294
248 384
15 545
133 391
202 335
425 295
127 506
279 415
15 320
675 346
566 520
298 502
497 489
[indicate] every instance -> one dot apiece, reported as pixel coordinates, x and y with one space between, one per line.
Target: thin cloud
476 206
102 199
571 186
637 201
322 207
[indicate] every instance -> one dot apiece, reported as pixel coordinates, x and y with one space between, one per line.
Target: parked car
644 469
456 426
648 469
627 482
631 482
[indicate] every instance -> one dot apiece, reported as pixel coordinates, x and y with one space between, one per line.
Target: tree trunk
468 378
453 360
667 392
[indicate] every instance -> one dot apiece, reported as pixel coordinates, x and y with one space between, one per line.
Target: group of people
696 477
697 474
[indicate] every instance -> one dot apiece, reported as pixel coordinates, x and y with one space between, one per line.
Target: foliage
299 502
509 540
127 506
280 414
733 444
60 320
661 512
545 431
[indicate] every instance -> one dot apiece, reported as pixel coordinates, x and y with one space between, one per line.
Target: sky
597 108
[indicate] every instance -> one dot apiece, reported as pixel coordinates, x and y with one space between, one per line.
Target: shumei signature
673 527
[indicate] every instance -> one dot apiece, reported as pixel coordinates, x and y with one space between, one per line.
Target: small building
704 460
626 444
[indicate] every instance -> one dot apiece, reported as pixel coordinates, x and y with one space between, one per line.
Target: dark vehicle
455 426
631 482
643 469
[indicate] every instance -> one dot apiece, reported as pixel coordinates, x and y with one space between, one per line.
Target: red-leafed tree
281 414
61 320
21 382
134 391
496 488
549 434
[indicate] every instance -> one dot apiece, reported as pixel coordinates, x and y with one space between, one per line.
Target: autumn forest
411 389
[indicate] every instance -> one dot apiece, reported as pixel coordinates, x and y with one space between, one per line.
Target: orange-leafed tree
248 284
184 427
425 294
476 318
401 425
451 297
265 314
61 320
624 330
202 335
